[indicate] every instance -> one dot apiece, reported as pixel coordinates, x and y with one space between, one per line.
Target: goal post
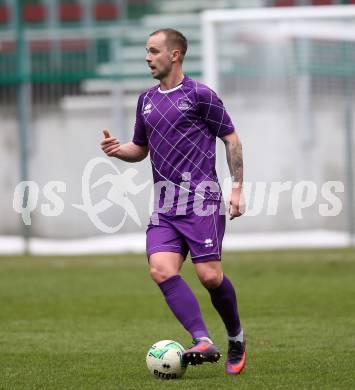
287 77
212 19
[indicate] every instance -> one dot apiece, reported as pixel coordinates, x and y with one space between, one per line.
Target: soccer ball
164 360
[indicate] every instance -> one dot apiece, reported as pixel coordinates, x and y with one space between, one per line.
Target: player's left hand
236 203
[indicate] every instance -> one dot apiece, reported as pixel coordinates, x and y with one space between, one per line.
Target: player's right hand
110 145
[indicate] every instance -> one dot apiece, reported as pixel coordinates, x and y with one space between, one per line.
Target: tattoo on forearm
235 160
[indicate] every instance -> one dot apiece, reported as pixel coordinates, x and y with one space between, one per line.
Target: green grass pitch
87 322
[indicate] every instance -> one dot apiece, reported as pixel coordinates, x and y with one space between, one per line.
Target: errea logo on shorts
208 243
147 109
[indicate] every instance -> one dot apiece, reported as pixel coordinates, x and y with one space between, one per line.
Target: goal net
287 77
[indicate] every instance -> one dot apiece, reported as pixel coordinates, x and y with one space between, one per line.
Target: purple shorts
201 235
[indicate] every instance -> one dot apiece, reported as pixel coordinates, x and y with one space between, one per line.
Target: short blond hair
174 40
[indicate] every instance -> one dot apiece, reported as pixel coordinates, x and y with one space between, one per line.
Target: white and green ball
164 360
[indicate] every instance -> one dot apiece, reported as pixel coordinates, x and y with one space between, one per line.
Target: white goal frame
309 26
211 18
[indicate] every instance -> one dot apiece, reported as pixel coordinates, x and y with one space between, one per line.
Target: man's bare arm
234 156
129 152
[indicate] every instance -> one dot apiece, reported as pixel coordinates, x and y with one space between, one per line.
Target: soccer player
177 122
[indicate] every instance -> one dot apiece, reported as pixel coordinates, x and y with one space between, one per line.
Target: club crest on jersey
184 104
147 109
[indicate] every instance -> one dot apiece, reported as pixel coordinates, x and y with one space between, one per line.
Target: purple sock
184 305
225 302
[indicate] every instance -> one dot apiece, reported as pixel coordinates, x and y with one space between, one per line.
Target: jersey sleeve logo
184 104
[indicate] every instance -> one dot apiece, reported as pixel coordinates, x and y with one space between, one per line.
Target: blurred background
69 68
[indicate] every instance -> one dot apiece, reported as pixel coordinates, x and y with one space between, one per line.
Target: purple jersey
180 126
